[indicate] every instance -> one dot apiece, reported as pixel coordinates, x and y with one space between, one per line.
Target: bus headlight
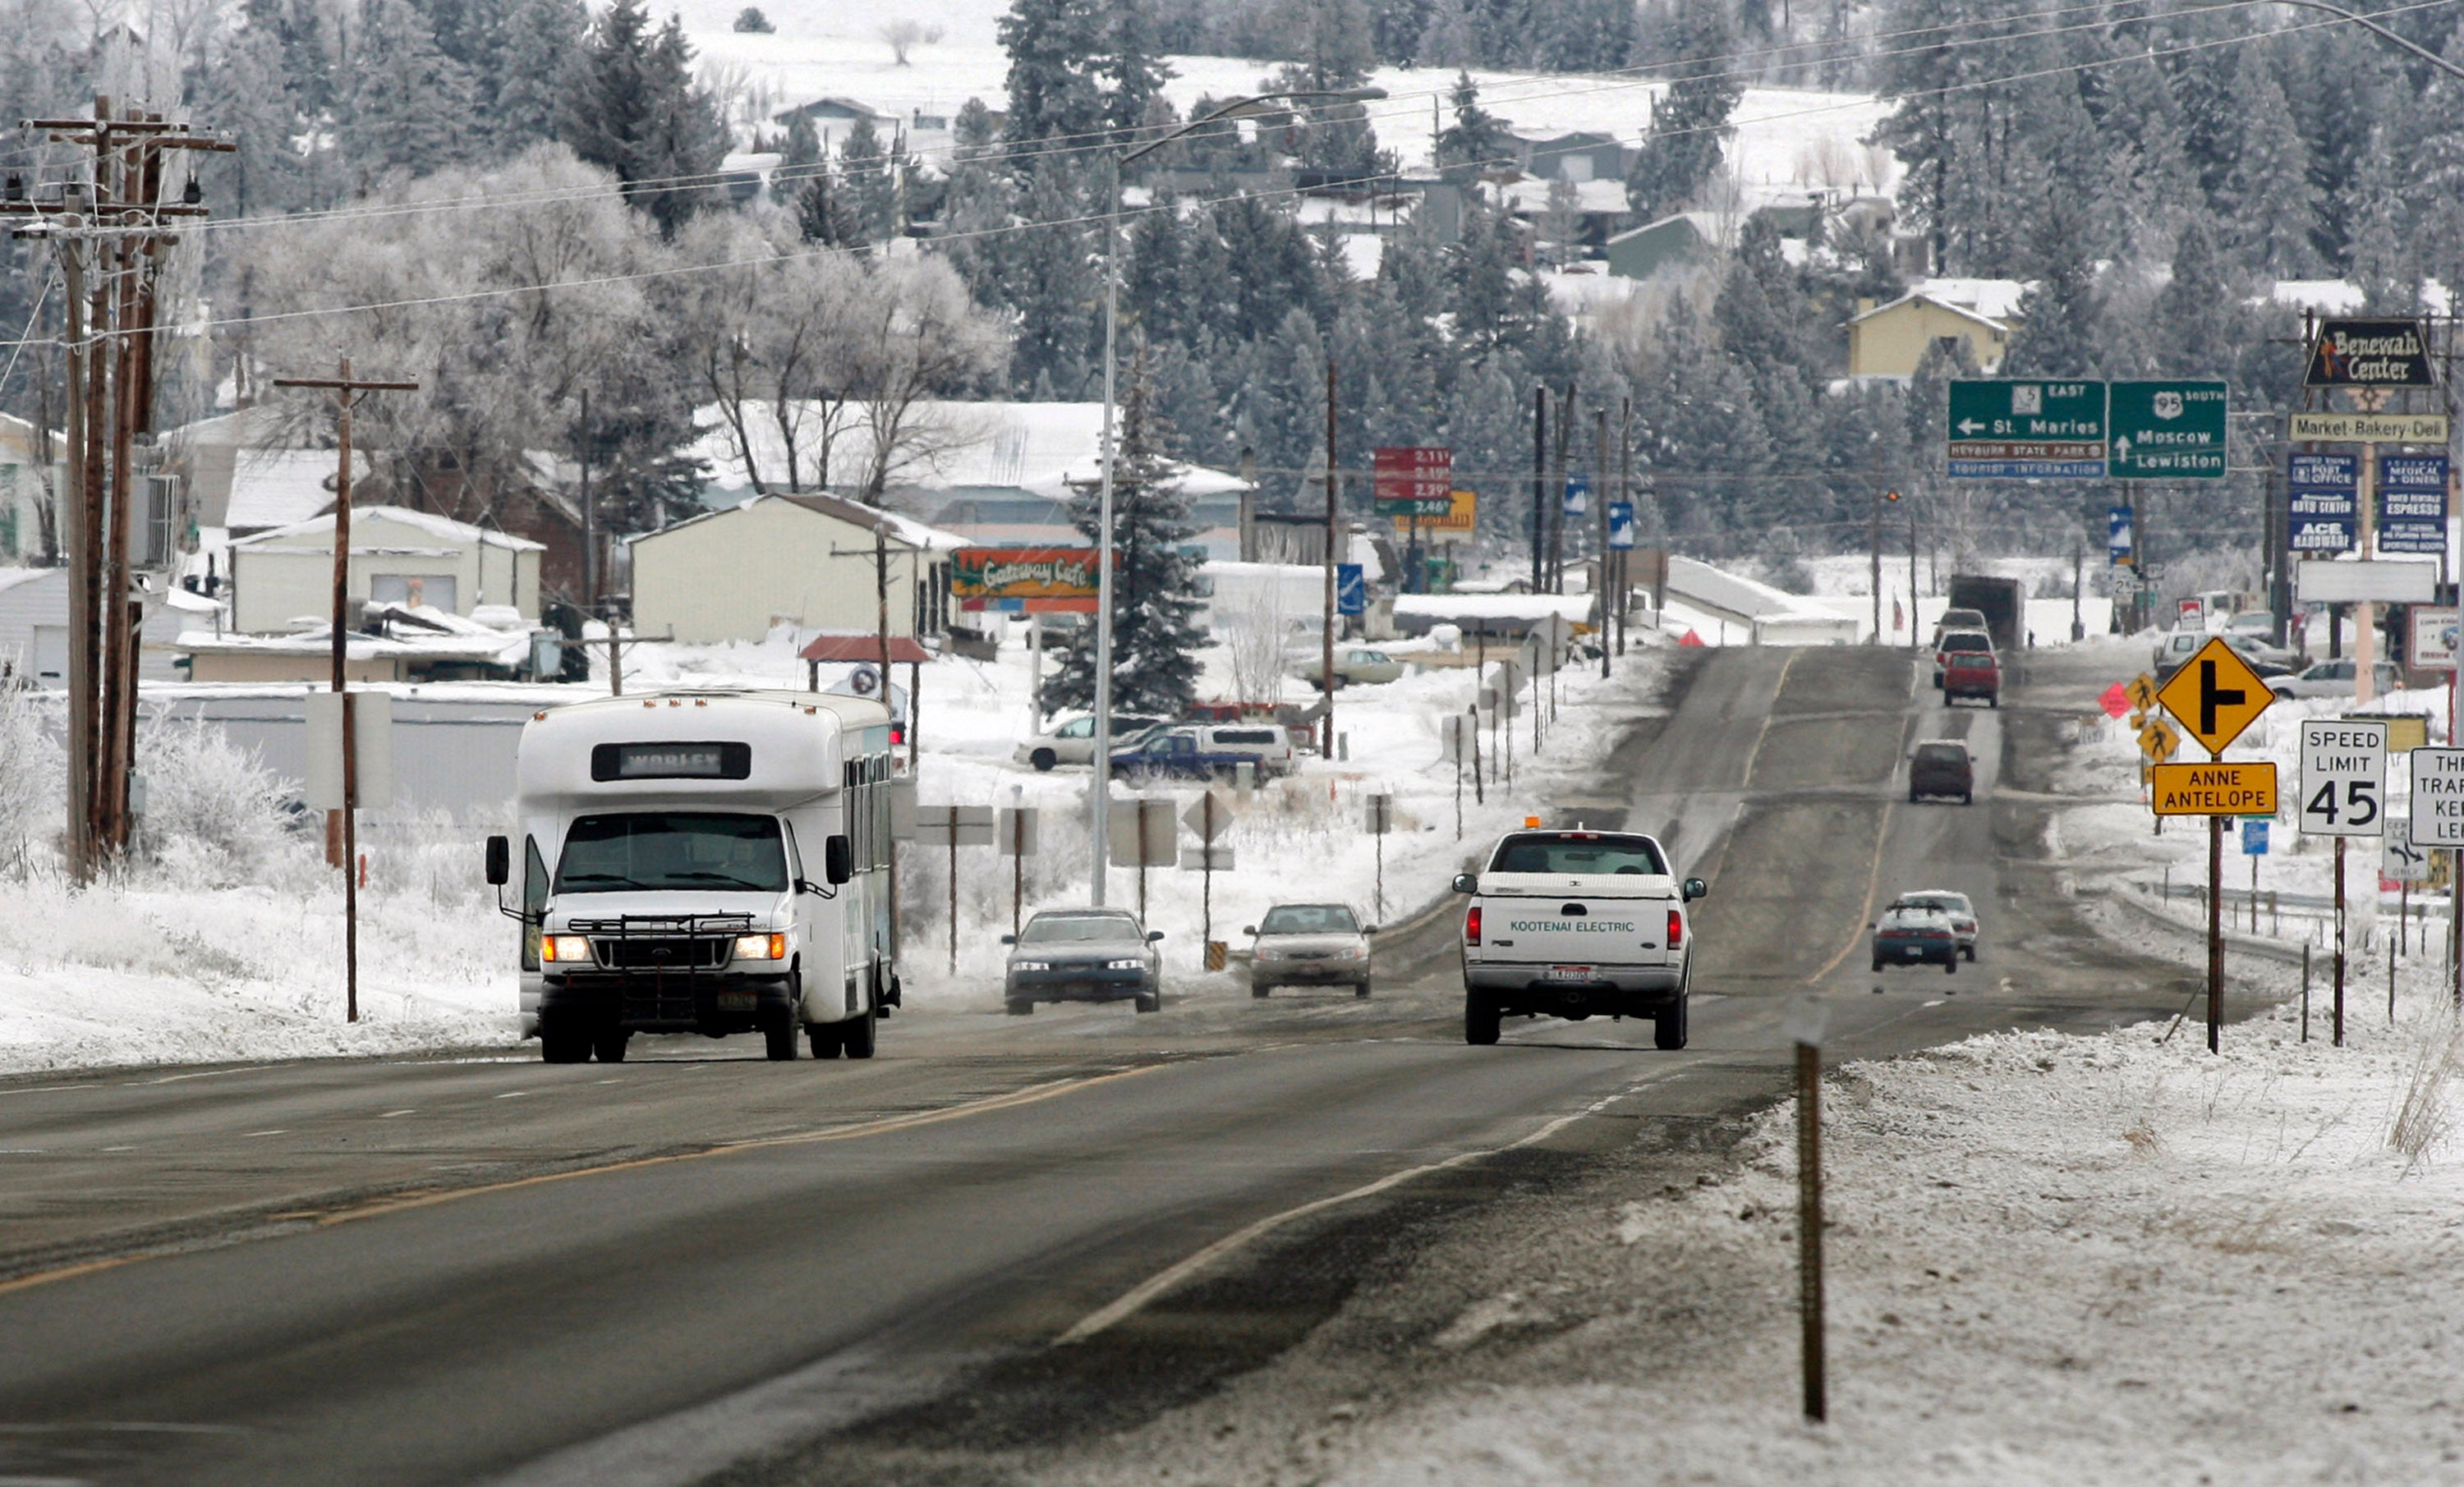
565 949
761 947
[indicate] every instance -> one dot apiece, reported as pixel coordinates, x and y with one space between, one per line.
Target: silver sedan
1309 945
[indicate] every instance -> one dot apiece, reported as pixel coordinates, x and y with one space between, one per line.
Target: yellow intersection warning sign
2143 691
2215 695
2138 724
2243 787
2158 740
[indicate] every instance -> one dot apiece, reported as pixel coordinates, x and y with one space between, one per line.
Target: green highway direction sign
2026 431
2017 429
2166 430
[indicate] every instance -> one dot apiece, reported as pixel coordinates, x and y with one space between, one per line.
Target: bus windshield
672 849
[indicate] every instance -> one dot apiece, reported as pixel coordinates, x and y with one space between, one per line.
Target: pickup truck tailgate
1553 918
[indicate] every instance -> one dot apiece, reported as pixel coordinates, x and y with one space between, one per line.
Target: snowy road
434 1270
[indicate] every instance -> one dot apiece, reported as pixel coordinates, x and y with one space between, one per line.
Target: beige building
804 560
1891 340
398 557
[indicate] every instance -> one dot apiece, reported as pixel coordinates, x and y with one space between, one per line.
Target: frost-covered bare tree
906 35
1254 627
504 314
801 346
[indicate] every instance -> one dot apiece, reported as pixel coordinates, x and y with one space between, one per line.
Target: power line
1640 74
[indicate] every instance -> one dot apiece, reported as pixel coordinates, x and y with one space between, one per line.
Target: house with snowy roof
283 579
807 560
998 474
1891 340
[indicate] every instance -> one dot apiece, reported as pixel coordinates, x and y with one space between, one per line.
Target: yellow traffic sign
2244 787
2215 695
2138 723
2143 691
2158 740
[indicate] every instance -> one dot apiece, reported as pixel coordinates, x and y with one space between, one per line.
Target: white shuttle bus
708 862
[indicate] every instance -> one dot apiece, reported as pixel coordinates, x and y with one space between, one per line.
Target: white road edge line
1139 1295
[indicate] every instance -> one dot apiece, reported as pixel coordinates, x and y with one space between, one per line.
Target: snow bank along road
1001 1237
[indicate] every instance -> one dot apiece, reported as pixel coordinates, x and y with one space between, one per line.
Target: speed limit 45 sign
2344 777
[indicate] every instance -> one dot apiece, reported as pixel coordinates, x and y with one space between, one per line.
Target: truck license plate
1914 950
739 1001
1570 972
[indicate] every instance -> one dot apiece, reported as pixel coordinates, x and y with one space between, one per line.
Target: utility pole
347 389
112 223
589 523
1539 489
1625 493
1600 557
1873 535
1325 658
1557 507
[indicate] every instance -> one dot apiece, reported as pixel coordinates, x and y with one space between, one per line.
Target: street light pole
1099 813
1100 817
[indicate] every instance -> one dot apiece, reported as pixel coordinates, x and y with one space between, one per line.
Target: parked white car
2335 679
1353 666
1074 742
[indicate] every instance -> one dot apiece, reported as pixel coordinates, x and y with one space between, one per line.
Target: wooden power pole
110 232
346 390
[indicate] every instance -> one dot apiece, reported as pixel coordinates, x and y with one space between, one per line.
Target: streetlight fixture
1100 816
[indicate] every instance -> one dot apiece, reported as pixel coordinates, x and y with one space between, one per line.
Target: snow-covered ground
2051 1260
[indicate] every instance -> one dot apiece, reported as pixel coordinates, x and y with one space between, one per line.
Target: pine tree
824 213
2382 263
1449 39
2061 315
865 171
1131 72
410 104
536 42
1156 634
630 106
1054 48
1689 119
2269 197
253 103
2195 311
800 159
1476 141
1336 141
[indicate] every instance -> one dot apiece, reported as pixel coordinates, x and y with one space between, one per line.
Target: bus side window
534 901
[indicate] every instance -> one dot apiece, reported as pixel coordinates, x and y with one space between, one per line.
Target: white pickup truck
1569 923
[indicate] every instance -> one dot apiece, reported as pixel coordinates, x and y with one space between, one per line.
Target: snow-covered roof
444 528
11 577
1719 592
1038 446
1529 197
279 487
1706 225
1525 608
906 531
1993 303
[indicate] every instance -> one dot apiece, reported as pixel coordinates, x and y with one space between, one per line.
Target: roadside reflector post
2215 929
2340 942
2306 991
1805 1022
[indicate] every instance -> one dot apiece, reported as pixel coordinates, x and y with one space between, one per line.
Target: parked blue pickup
1195 751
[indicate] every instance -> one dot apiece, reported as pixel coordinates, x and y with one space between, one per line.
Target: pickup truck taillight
1676 930
1472 927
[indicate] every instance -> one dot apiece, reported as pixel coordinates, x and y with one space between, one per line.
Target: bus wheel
779 1038
608 1044
859 1033
824 1039
559 1044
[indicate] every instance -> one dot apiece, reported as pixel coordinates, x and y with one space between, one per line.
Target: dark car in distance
1942 767
1906 936
1083 955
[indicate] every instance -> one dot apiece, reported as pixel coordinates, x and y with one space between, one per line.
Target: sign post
1209 817
1017 834
1380 821
2438 823
2215 695
2343 783
954 827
